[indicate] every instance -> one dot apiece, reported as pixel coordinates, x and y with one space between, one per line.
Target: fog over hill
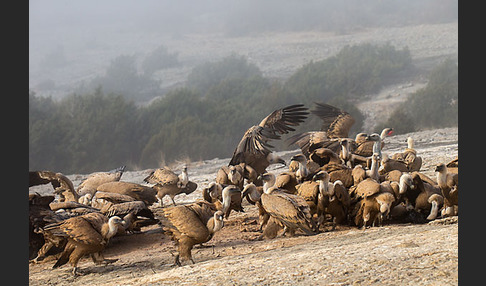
70 43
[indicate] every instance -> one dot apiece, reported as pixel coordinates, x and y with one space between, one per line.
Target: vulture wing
85 228
336 122
254 141
163 176
185 221
291 210
281 120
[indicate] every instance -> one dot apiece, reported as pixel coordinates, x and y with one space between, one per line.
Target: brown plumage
86 235
234 175
40 215
225 197
139 192
254 150
337 205
290 210
189 225
448 183
409 157
429 199
168 183
389 164
364 143
253 195
374 209
72 208
138 208
453 166
94 180
62 185
336 124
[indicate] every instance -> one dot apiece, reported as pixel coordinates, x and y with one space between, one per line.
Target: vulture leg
42 251
172 198
334 223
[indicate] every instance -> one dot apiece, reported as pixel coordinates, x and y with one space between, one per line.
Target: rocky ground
405 254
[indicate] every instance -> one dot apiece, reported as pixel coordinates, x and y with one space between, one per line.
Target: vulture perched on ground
364 143
139 192
448 185
235 175
94 180
253 195
225 197
61 184
192 224
409 156
254 150
336 124
40 215
86 235
169 183
291 211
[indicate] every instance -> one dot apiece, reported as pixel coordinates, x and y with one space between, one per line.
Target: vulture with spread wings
336 124
254 150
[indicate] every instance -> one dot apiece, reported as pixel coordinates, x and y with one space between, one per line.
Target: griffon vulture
86 235
94 180
448 184
292 211
168 183
225 197
192 224
365 144
336 124
139 192
254 150
62 185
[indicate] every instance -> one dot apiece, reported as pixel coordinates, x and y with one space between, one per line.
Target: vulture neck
403 184
377 147
226 199
111 229
345 152
410 143
267 186
374 169
325 188
303 171
252 192
442 178
383 134
214 225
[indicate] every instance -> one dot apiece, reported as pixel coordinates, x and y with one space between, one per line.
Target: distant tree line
100 130
433 106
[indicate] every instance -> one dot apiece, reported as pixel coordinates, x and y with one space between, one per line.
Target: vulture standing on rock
254 150
86 235
169 183
189 225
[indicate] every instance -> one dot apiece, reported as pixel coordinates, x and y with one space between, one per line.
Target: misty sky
70 41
